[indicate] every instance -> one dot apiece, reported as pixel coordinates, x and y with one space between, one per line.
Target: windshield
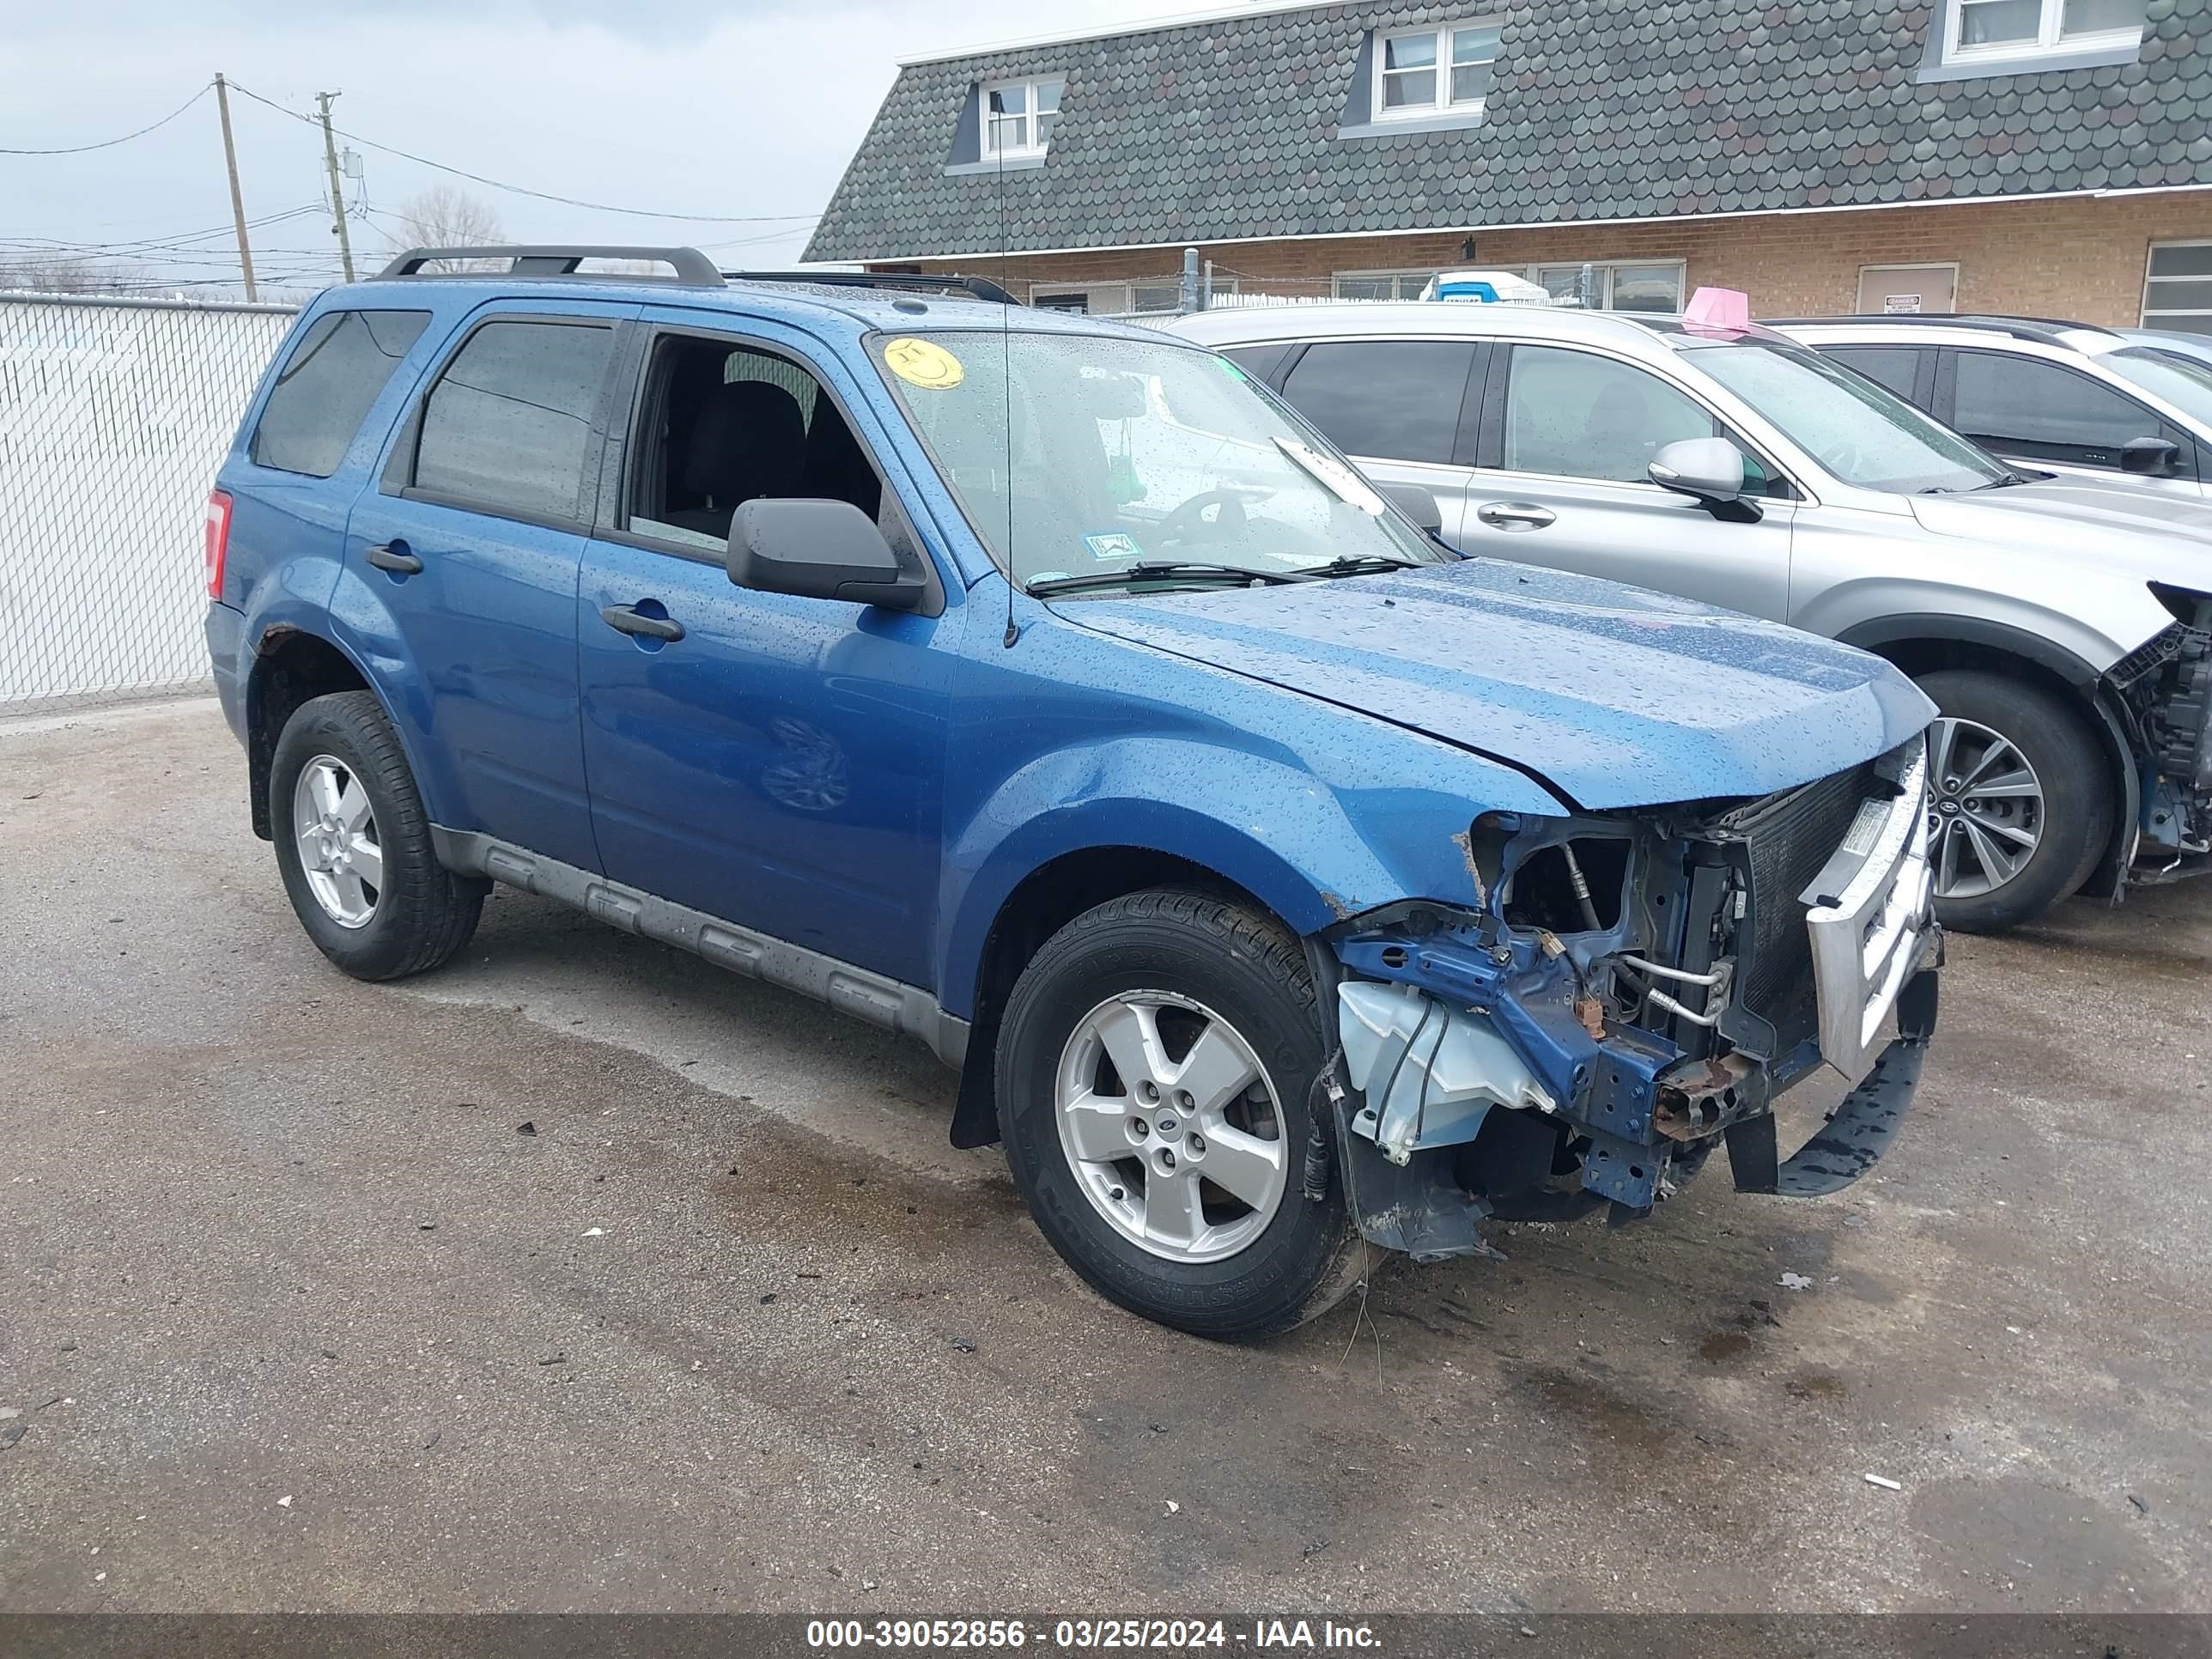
1112 453
2184 382
1864 435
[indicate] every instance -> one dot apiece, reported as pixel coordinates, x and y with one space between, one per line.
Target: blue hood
1614 695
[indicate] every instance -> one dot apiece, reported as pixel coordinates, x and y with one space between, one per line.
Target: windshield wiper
1356 564
1160 569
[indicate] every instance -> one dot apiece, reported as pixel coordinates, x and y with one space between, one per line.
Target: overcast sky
676 105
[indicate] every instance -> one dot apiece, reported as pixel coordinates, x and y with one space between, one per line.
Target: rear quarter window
325 388
1260 362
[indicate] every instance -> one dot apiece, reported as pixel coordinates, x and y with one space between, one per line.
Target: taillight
217 542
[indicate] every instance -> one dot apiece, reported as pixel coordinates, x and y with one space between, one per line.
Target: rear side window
506 428
327 385
2037 410
1395 400
1894 366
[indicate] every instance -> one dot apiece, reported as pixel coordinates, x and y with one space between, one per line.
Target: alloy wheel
340 852
1985 809
1171 1125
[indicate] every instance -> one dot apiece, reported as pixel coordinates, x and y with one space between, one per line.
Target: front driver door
780 764
2048 417
1566 437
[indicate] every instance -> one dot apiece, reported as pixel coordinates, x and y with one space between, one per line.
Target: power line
110 144
174 241
542 195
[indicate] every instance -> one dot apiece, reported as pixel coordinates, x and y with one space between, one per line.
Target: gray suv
2063 627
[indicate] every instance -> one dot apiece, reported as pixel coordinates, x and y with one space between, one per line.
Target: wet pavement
297 1316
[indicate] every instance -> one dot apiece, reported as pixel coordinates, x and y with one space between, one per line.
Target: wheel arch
292 666
1918 645
1039 905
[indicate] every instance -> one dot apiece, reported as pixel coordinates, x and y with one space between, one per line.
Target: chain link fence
114 415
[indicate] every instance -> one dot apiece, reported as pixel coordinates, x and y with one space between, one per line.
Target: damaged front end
2162 693
1633 990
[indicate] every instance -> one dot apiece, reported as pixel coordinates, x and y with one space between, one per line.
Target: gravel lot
296 1318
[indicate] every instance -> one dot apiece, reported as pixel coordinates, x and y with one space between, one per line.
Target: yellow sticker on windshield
924 363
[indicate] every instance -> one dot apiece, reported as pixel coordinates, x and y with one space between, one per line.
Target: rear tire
1997 728
353 844
1215 1000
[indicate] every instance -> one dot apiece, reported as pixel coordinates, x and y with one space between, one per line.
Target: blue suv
1050 692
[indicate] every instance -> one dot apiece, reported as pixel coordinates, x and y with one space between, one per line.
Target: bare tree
63 275
446 216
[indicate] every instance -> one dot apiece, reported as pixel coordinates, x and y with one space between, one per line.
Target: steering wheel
1186 522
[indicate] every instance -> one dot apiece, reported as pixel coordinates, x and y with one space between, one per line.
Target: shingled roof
1226 128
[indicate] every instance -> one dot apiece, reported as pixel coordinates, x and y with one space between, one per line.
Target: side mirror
818 550
1417 501
2150 457
1711 469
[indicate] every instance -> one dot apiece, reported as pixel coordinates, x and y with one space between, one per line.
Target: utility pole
237 201
338 190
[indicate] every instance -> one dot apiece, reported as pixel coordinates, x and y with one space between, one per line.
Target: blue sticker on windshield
1112 545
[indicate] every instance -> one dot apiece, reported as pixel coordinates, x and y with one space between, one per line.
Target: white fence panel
114 415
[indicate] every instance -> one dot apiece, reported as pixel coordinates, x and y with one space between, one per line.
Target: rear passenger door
1566 438
2050 418
459 575
1401 409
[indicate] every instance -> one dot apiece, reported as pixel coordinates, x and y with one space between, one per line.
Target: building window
2177 288
1017 117
1434 71
1613 284
2011 28
1381 284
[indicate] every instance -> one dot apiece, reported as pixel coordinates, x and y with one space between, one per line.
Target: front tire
2020 805
1154 1067
353 844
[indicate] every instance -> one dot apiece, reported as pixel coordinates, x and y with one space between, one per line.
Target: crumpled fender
1314 851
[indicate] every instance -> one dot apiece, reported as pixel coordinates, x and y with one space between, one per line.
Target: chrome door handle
1515 515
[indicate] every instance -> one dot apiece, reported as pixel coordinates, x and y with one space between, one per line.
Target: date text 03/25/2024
1101 1635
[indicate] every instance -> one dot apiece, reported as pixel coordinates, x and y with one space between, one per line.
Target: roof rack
2044 330
693 268
977 288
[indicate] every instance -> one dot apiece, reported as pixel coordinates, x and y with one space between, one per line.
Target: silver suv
2063 627
2064 398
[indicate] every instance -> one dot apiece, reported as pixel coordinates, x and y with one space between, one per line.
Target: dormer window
1016 119
1978 29
1441 70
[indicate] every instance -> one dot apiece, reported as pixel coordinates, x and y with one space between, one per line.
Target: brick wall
2081 259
